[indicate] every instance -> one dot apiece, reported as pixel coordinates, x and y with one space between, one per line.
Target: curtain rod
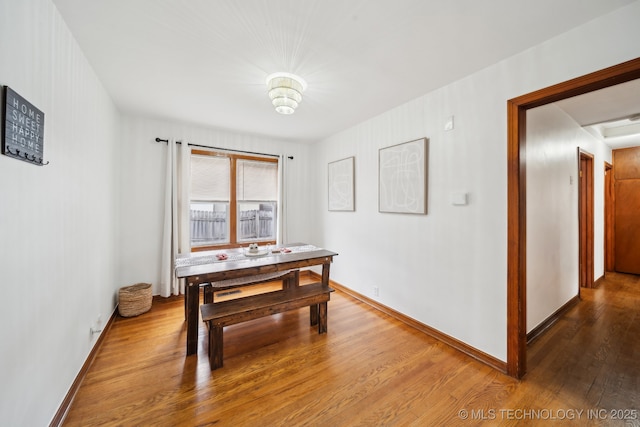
224 149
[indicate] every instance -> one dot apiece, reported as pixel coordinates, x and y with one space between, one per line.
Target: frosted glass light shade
285 91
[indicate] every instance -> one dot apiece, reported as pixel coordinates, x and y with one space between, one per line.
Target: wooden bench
221 314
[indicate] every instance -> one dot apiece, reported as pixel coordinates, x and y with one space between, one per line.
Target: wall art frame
22 129
402 177
341 185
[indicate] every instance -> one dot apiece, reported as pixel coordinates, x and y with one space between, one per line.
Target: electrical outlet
98 326
376 291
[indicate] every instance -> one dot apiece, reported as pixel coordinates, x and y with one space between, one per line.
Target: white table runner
235 256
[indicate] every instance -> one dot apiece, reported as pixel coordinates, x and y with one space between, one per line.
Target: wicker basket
134 300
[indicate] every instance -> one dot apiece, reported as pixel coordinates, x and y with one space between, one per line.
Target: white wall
553 139
58 223
143 177
448 269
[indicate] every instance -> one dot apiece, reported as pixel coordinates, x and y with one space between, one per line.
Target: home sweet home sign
23 129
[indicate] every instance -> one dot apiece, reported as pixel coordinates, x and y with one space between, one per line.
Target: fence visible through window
208 227
256 224
211 227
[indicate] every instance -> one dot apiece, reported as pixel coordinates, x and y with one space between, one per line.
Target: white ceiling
613 104
205 61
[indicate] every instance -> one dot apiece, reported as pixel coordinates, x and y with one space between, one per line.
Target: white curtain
176 216
282 236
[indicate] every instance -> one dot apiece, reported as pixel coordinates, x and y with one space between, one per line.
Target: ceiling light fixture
285 91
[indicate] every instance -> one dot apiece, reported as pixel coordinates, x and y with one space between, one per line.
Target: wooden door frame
609 257
516 195
585 219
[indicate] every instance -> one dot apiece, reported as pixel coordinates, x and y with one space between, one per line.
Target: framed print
402 178
341 185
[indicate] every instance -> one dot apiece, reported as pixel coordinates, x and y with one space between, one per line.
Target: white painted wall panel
58 223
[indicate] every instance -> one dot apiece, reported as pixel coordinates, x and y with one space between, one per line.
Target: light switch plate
459 199
448 124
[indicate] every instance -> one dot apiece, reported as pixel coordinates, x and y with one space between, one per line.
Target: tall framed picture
402 178
342 185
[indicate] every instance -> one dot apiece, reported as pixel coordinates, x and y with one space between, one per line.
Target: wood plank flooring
368 370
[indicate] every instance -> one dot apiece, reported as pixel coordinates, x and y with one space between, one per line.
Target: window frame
233 201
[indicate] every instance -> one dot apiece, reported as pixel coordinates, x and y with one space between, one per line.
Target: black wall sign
23 129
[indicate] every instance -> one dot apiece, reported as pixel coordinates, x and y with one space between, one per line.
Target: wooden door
609 258
626 163
585 211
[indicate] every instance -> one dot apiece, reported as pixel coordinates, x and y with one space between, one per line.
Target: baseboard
549 321
432 332
63 410
599 281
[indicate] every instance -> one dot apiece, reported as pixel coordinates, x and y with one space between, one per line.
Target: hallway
591 357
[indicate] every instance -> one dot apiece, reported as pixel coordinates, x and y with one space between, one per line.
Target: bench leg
208 293
215 346
322 317
313 314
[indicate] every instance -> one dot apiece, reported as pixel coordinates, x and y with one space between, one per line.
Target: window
233 199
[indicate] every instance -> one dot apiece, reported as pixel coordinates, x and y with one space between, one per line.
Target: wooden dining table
198 268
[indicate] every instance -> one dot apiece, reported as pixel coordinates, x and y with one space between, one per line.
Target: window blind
256 180
210 178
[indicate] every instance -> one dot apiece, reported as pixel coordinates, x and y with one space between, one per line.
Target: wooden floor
368 370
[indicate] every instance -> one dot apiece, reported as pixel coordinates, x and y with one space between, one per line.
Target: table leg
292 280
208 293
192 296
325 273
296 278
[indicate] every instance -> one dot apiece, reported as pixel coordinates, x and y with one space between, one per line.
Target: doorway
516 195
627 221
585 214
609 260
